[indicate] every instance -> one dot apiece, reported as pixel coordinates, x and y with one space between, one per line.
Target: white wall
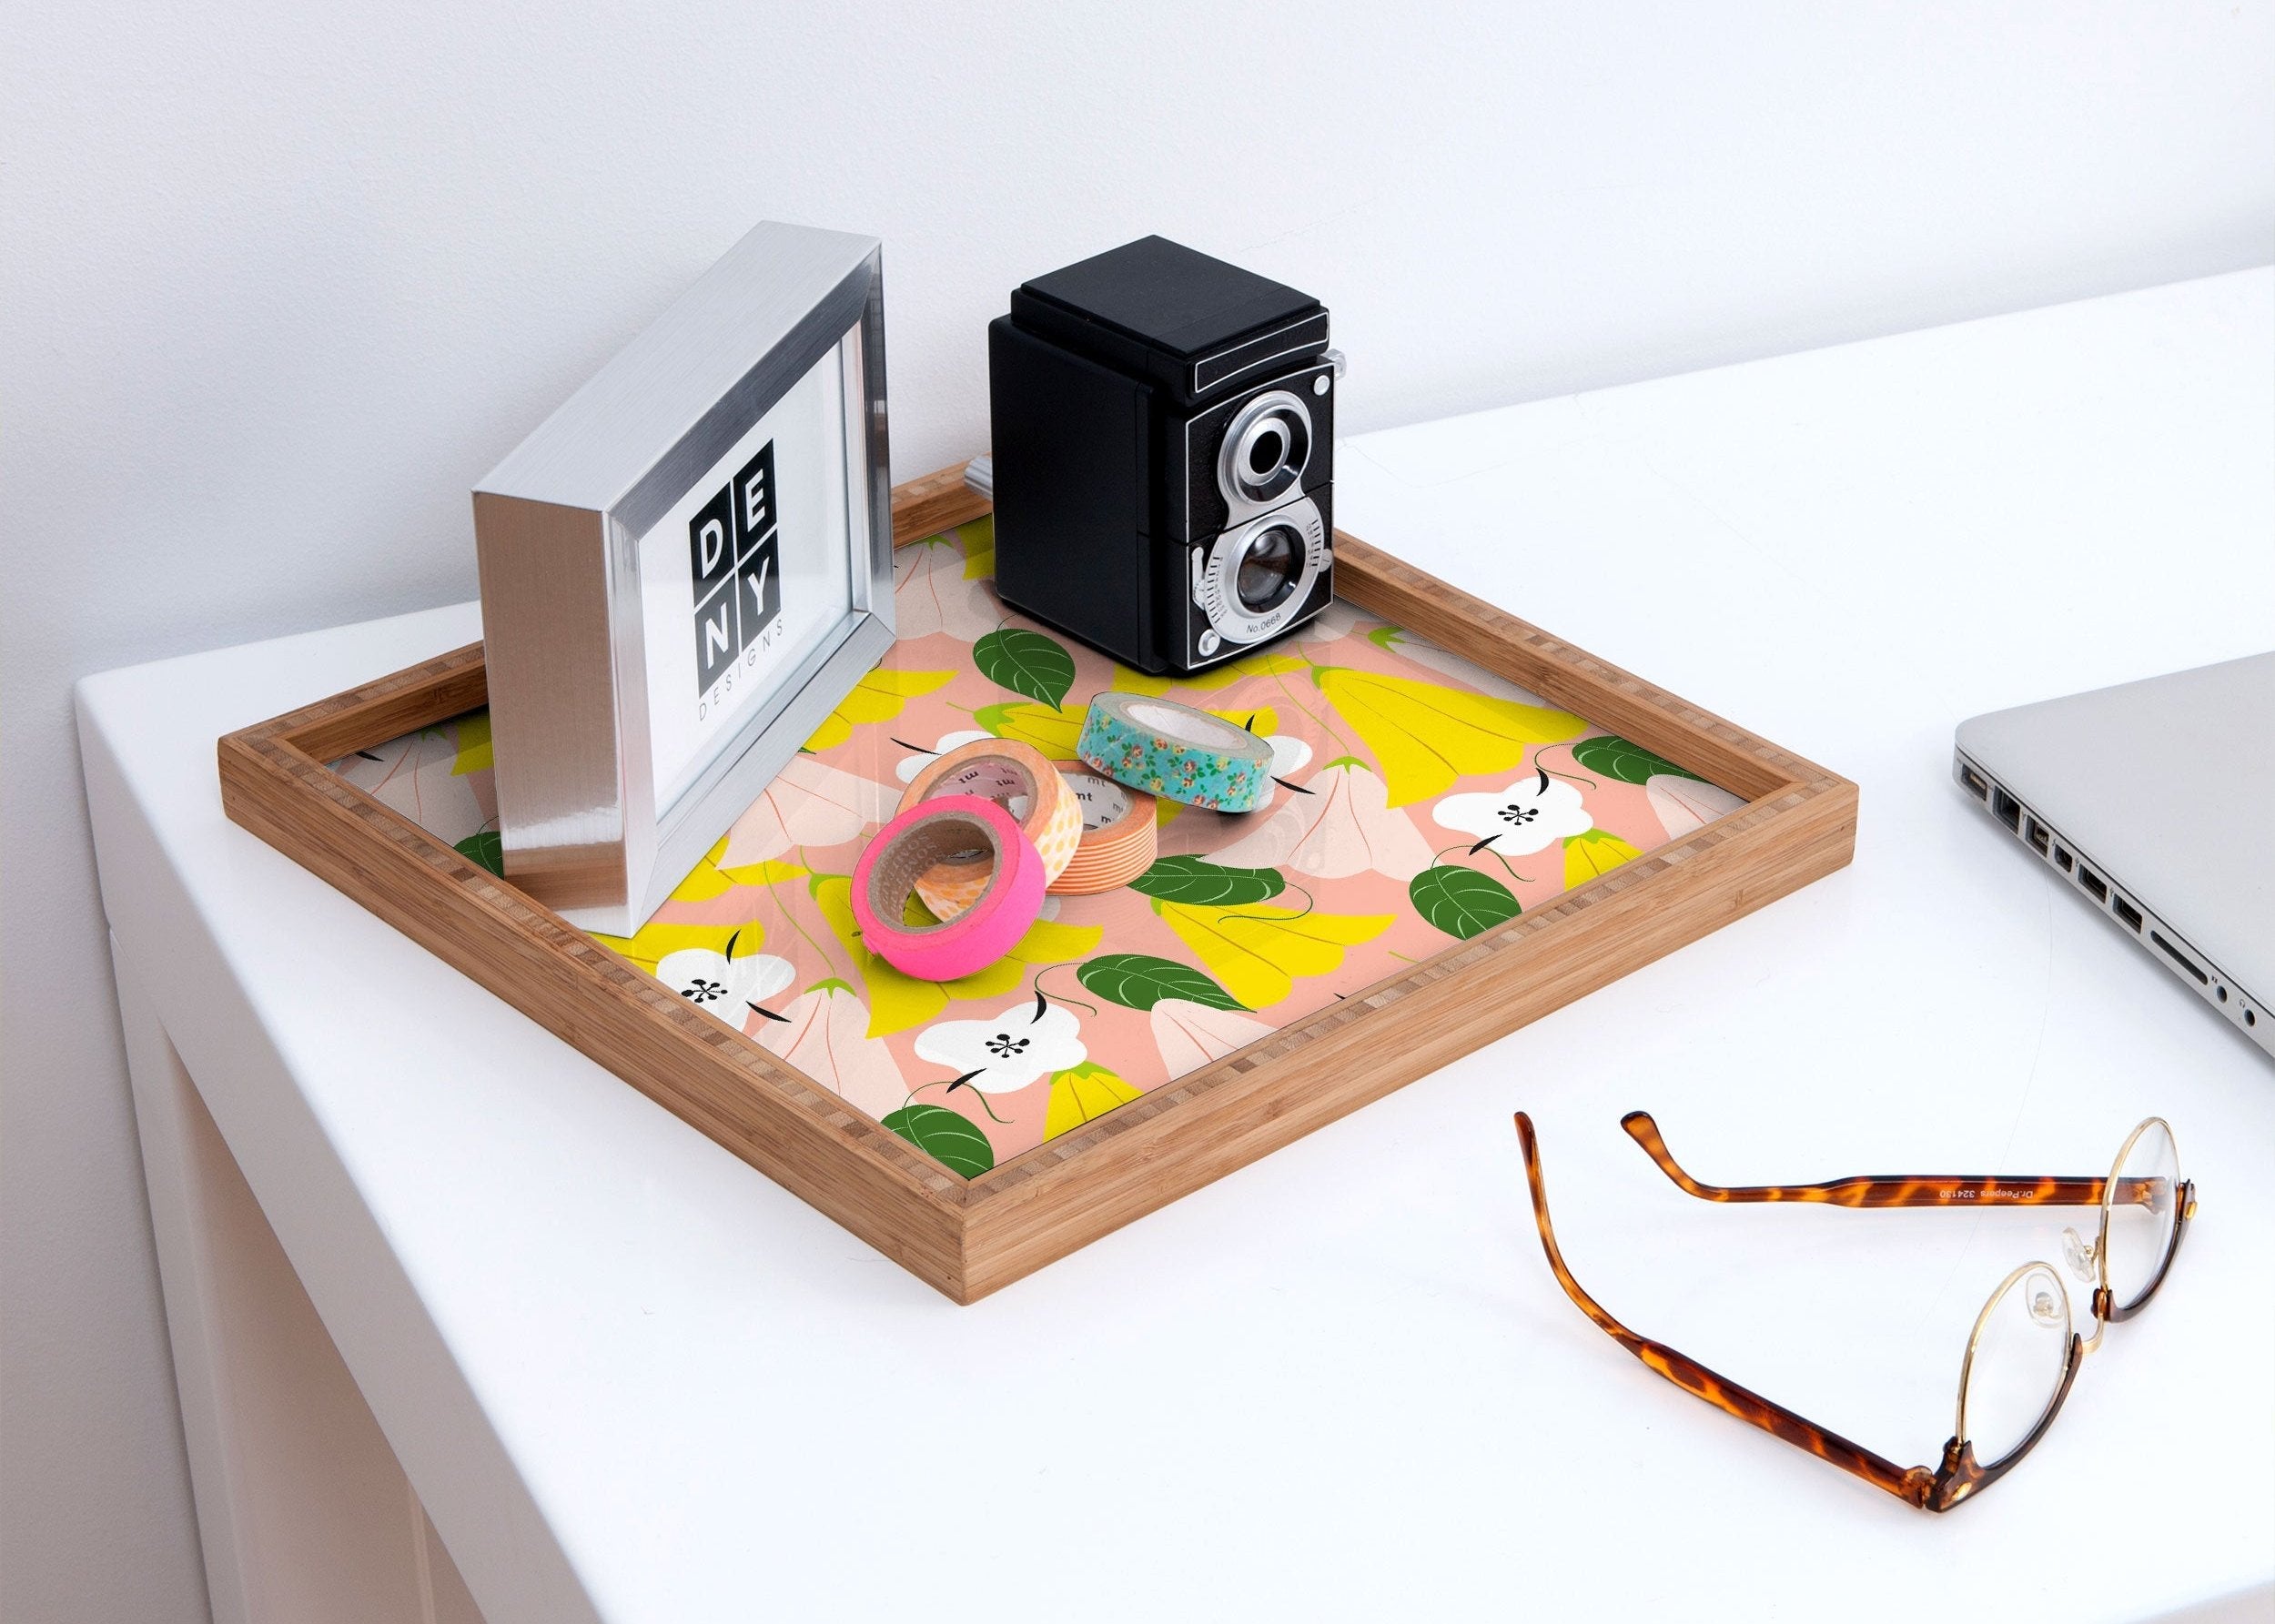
278 282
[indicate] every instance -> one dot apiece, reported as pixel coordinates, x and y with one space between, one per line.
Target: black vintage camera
1164 447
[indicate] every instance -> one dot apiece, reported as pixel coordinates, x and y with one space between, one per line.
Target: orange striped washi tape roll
1016 777
1118 833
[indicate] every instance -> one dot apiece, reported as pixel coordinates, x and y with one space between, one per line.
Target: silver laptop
2155 801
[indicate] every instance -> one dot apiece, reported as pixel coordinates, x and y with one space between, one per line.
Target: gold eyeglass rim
1959 1476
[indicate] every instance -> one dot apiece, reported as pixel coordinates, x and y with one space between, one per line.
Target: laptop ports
2005 808
2096 886
2062 859
1973 783
2038 836
2125 912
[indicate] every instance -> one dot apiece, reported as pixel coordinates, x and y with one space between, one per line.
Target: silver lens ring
1275 554
1262 453
1275 414
1217 588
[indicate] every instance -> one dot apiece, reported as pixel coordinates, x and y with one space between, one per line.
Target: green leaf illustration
1198 879
1026 662
486 850
948 1138
1619 758
1460 902
1140 981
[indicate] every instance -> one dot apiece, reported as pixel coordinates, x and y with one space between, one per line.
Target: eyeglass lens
2141 1213
2014 1369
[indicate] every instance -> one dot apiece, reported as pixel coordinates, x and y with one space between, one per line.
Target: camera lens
1268 449
1268 569
1253 580
1265 449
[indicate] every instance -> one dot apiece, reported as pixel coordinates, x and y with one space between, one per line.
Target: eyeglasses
2023 1351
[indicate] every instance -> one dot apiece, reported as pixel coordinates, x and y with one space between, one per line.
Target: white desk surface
632 1379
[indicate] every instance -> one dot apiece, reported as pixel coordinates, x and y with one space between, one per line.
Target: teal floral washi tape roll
1167 748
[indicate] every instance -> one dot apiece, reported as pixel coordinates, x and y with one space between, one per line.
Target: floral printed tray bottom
1420 801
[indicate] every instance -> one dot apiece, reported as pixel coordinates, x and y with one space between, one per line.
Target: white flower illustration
722 986
1190 1035
1530 815
1024 1042
912 765
1289 753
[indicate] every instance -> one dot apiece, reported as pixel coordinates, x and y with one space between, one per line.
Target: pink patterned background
1420 801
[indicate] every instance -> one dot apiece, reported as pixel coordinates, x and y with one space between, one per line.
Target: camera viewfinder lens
1267 450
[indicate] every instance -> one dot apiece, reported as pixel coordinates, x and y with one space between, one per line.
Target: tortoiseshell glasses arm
1913 1485
1949 1190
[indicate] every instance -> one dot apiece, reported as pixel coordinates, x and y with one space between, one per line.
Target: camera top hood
1194 325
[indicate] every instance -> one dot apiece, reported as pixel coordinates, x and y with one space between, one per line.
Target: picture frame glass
752 574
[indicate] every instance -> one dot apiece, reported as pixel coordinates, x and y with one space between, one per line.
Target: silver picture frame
597 542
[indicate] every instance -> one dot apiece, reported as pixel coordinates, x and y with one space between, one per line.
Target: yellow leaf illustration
772 871
1051 729
1083 1094
656 939
474 754
1593 853
1046 943
897 1002
1256 953
979 547
1270 662
1425 735
1127 681
705 880
877 697
1057 729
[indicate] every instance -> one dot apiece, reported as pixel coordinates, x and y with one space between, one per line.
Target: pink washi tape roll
948 829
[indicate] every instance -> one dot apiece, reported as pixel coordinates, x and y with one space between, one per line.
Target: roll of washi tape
1119 833
1173 749
919 840
1016 777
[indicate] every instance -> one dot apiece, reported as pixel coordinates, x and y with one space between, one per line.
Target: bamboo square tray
1256 1017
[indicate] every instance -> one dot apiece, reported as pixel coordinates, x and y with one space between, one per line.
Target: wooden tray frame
971 1237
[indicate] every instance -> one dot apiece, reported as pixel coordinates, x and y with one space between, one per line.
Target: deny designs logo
733 545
